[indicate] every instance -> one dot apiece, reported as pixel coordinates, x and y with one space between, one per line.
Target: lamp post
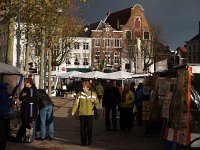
18 35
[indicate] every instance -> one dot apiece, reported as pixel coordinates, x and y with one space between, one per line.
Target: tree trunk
49 71
27 52
10 39
41 80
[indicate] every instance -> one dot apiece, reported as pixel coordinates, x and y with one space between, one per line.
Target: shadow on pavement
67 135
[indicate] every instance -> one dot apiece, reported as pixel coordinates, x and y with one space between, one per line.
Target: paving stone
67 134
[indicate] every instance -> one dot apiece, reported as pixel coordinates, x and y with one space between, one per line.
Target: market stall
182 127
159 87
11 75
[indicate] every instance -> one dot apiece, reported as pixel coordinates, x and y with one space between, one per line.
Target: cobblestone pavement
67 134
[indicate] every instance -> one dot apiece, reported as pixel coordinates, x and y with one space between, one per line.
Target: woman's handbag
96 115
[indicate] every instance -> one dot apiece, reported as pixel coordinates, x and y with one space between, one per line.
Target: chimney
118 25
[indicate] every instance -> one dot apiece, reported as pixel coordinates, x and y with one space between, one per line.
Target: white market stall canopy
70 74
55 73
8 69
140 75
91 75
119 75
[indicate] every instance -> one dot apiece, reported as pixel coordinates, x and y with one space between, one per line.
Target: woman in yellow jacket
126 108
85 102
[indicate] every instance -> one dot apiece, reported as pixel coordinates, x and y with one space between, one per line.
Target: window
146 35
76 45
55 50
97 57
76 62
194 48
85 58
107 42
189 59
85 45
85 61
67 61
77 58
128 35
107 58
97 42
189 49
116 57
117 43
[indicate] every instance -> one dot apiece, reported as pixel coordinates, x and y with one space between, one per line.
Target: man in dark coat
29 108
111 99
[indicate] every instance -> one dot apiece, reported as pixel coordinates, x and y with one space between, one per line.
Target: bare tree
152 48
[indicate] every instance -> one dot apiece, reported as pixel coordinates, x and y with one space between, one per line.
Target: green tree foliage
57 17
44 24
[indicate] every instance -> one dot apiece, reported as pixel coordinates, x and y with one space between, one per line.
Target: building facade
123 41
79 57
193 48
106 47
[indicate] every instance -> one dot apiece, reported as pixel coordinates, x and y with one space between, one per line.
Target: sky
179 19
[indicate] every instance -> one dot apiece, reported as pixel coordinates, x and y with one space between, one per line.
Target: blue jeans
46 115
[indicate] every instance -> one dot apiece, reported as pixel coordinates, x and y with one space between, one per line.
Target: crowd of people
36 113
113 99
37 110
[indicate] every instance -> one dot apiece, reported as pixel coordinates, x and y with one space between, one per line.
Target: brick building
123 41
